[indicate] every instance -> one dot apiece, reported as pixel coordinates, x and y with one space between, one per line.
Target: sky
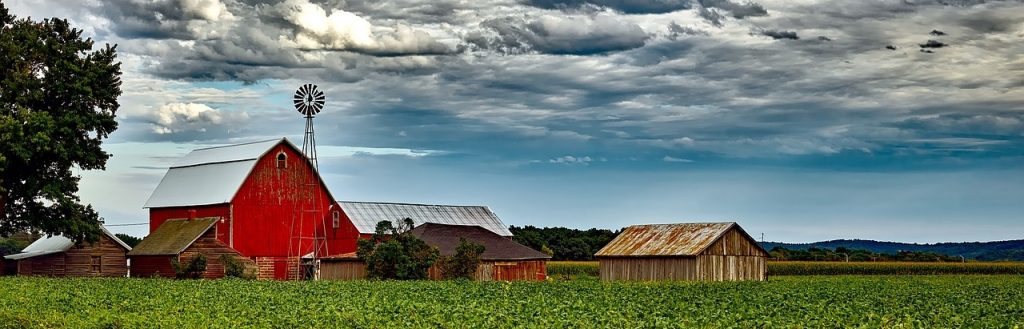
803 120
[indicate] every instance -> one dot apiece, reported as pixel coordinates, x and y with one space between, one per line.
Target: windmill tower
308 239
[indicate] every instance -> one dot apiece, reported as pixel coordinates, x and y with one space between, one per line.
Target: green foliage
573 269
890 268
394 253
57 104
194 269
563 243
10 246
857 255
783 302
234 268
463 264
131 241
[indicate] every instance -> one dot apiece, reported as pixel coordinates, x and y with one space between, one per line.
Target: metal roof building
59 256
366 215
684 251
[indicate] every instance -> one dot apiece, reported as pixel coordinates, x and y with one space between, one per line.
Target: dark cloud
824 38
584 35
625 6
712 16
676 31
933 44
737 10
779 34
937 33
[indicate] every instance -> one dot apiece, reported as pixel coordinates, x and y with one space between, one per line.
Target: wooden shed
685 251
181 240
502 260
345 266
59 256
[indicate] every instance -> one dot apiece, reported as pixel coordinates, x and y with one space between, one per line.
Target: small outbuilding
502 260
59 256
685 251
181 240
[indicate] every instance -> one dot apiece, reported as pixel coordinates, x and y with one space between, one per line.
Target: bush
194 269
394 253
233 268
463 264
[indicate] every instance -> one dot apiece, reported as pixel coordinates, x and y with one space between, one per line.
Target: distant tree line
857 255
563 243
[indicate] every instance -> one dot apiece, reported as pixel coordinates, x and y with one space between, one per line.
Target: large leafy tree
395 253
57 102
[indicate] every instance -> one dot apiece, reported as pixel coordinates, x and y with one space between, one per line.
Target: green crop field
946 301
585 269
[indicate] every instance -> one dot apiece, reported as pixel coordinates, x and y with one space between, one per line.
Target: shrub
463 264
233 268
394 253
194 269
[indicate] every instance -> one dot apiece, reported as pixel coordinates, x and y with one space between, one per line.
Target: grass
947 301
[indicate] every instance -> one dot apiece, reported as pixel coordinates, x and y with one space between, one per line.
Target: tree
394 253
57 104
463 264
131 241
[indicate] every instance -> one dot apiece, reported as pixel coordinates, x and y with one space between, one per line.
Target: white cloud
184 117
342 30
211 10
568 159
675 159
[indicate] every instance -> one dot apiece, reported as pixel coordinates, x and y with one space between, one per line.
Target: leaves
58 98
812 302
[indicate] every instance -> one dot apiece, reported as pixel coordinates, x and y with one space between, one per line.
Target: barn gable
683 239
366 215
211 175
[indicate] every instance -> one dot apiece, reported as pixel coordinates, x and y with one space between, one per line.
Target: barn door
281 270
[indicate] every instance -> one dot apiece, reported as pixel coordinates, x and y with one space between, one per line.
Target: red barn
272 208
269 201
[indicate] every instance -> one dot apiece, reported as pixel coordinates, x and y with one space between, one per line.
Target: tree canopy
563 243
395 253
58 97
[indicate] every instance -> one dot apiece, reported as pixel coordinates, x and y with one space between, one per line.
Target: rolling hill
985 251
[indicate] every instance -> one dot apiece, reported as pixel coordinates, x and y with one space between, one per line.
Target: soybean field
576 270
882 301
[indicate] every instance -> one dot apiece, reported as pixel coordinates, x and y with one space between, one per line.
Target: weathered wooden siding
734 243
210 246
732 257
526 270
731 268
342 269
77 261
648 269
150 266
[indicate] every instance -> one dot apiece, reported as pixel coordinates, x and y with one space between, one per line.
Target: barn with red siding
269 201
272 208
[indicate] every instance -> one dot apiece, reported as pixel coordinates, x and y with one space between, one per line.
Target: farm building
687 251
269 201
59 256
180 240
272 207
502 260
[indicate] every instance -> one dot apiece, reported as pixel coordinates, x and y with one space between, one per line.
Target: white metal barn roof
56 244
209 175
366 215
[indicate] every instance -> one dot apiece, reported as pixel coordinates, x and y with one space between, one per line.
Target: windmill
308 101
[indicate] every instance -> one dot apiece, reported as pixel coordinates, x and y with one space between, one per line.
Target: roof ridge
239 144
412 204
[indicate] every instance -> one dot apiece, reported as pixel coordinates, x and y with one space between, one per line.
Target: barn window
96 263
282 160
336 219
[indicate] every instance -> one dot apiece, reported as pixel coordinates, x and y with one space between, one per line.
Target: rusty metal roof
682 239
173 236
366 215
